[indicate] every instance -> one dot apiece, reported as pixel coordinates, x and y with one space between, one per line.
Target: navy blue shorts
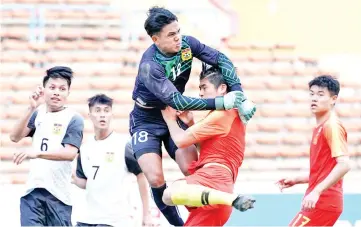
41 208
148 131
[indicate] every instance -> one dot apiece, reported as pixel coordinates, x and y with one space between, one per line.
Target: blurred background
276 45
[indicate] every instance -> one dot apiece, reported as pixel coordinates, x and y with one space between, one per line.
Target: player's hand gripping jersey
161 80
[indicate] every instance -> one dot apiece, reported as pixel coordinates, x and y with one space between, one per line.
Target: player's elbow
346 166
72 155
181 143
344 163
15 138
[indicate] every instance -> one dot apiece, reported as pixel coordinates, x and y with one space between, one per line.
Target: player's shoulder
149 54
333 122
232 113
188 38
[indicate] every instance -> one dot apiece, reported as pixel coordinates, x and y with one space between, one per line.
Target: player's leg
57 213
183 156
181 193
147 150
32 212
315 217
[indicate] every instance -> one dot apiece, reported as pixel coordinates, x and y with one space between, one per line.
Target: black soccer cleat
243 203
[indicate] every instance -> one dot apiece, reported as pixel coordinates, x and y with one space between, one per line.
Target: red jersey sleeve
217 123
336 137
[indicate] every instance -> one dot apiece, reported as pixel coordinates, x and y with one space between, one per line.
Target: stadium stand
37 34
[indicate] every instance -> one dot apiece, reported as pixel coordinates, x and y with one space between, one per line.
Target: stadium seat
251 83
6 142
298 126
267 138
269 126
275 97
295 139
10 44
275 110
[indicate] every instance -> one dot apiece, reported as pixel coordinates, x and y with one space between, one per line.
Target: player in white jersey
57 133
102 169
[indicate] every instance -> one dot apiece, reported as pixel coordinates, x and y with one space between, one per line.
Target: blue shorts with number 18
148 131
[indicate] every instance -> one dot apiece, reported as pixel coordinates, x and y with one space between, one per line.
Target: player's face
56 92
169 39
321 99
208 91
101 116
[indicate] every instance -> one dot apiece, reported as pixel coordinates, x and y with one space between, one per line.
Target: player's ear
155 38
222 89
334 99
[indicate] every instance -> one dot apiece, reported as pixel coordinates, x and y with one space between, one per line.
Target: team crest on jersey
57 128
109 156
186 54
315 139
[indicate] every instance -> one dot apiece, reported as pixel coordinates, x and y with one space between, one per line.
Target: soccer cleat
243 203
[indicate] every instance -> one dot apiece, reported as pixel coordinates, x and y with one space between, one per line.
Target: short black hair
158 17
100 99
62 72
326 81
213 74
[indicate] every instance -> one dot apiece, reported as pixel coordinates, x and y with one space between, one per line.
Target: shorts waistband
220 165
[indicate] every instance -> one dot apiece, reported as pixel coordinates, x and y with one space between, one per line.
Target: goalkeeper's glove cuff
219 103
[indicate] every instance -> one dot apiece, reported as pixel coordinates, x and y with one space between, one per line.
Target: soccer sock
169 212
196 196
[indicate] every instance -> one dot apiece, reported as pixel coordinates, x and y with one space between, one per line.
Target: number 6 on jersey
142 137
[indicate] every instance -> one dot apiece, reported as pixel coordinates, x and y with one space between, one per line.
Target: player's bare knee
156 179
167 197
184 157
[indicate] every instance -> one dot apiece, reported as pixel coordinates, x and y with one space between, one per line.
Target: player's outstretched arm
153 77
291 181
71 144
215 58
25 126
213 125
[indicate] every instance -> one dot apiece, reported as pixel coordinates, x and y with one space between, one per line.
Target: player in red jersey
208 191
329 161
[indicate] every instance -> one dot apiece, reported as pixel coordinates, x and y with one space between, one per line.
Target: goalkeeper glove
236 99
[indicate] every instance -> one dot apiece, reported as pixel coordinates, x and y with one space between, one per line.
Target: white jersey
106 165
50 131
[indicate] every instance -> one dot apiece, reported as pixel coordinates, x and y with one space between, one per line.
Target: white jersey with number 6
50 132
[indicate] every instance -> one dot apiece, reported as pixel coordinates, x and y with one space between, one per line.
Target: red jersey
221 136
329 141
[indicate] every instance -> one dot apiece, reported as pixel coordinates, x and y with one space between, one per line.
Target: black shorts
41 208
148 131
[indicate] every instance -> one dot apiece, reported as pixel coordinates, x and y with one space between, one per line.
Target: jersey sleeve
79 168
74 132
215 58
31 124
336 138
217 123
153 77
130 161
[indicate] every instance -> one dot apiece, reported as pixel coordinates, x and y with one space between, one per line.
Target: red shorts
215 177
315 217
